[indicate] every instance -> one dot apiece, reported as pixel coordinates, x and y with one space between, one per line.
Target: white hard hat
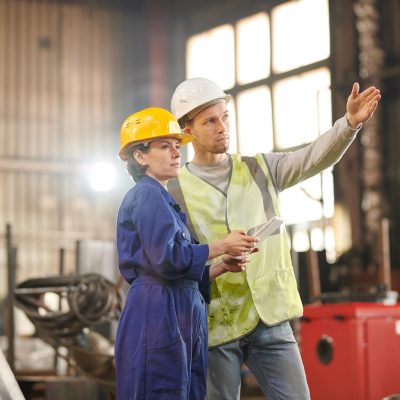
194 95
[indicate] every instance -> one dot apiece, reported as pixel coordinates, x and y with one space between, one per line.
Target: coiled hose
91 299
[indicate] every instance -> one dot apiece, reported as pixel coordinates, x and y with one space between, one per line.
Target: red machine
351 351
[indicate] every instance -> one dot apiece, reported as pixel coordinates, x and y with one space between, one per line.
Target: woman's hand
233 264
237 243
228 263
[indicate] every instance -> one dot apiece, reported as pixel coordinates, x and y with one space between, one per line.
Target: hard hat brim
184 138
202 107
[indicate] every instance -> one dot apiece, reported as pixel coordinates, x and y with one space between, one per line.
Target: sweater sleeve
288 169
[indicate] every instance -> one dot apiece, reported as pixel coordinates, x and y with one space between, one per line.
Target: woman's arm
164 248
236 243
228 263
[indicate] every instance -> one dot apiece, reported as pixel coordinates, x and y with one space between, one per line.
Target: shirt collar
153 182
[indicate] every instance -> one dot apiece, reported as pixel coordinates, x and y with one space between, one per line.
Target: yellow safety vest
268 287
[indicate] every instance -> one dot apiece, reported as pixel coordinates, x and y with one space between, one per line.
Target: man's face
211 128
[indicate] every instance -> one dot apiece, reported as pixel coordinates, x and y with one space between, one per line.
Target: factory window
279 79
300 35
254 107
306 99
253 57
204 48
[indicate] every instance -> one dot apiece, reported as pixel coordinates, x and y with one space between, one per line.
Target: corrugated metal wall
60 68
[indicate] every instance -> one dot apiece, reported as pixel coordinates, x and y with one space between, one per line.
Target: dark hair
184 120
136 170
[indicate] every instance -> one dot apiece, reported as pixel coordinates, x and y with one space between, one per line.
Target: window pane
317 239
320 239
211 55
254 121
253 48
301 239
307 198
301 203
302 107
300 34
330 244
328 193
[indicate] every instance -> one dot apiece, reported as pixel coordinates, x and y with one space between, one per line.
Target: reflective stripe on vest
268 288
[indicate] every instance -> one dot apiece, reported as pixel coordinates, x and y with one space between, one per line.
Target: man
250 312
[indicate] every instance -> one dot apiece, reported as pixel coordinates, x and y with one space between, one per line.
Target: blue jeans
271 354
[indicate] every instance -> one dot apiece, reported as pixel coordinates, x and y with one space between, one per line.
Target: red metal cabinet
351 351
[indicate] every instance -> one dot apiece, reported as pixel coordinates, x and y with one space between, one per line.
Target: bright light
255 120
214 44
102 177
307 41
253 60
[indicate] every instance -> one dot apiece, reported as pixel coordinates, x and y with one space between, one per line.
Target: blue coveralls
161 342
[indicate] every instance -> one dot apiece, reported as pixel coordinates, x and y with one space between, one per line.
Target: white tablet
264 230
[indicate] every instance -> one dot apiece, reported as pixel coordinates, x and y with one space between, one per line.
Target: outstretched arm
327 149
361 106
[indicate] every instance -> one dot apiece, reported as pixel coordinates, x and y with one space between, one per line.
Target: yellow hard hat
149 124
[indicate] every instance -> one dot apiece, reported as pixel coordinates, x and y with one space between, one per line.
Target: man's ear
186 129
140 157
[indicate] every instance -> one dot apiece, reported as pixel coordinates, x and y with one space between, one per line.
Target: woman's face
163 159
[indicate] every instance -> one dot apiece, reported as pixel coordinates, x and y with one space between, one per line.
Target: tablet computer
264 230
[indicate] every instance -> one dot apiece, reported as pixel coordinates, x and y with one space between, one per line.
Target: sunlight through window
317 239
205 48
301 240
302 108
255 121
253 48
300 34
308 205
314 197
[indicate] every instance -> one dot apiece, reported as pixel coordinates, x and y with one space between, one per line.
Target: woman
161 343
